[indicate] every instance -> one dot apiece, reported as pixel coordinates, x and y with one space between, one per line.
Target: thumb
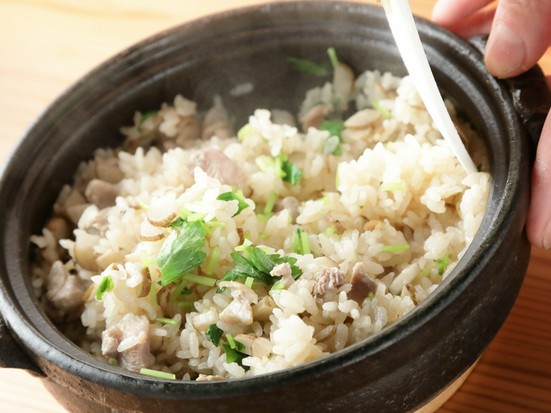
538 225
519 36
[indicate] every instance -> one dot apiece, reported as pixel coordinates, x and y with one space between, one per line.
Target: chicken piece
217 165
284 271
239 311
128 341
362 284
64 291
329 279
313 118
254 346
101 193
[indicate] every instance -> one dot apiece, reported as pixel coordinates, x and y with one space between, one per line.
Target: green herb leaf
442 264
181 251
258 265
301 243
308 67
214 334
106 284
292 173
333 56
234 196
168 321
234 356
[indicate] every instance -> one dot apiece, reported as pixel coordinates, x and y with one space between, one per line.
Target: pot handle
12 355
530 96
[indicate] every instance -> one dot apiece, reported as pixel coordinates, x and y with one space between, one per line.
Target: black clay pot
398 370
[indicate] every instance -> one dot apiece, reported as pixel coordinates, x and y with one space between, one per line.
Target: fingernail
505 51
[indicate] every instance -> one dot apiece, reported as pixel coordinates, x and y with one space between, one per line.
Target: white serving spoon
402 25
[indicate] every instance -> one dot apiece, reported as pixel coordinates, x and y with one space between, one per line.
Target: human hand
519 34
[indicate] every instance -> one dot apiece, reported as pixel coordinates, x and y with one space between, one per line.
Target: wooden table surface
46 45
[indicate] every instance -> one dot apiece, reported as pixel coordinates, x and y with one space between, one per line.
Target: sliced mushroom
362 284
149 232
161 215
263 309
239 311
343 80
313 118
254 346
362 119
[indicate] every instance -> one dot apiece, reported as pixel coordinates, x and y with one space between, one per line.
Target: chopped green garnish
200 279
234 356
387 114
245 131
334 127
220 290
292 173
246 243
392 186
234 344
270 203
234 196
308 66
442 264
213 260
258 265
333 57
301 243
169 321
181 251
157 374
214 334
106 284
249 282
113 361
264 235
395 248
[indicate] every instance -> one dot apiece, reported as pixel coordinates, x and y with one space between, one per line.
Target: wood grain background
46 45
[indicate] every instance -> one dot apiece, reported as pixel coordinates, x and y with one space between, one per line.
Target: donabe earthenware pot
398 370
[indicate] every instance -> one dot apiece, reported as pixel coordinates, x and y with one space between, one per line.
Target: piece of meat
239 311
128 342
362 284
284 271
329 279
217 165
101 193
64 291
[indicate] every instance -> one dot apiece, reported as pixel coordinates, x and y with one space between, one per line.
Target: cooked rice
395 200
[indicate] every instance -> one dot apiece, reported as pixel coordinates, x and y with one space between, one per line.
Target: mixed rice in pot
194 252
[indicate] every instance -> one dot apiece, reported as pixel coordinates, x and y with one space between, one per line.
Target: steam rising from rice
384 219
